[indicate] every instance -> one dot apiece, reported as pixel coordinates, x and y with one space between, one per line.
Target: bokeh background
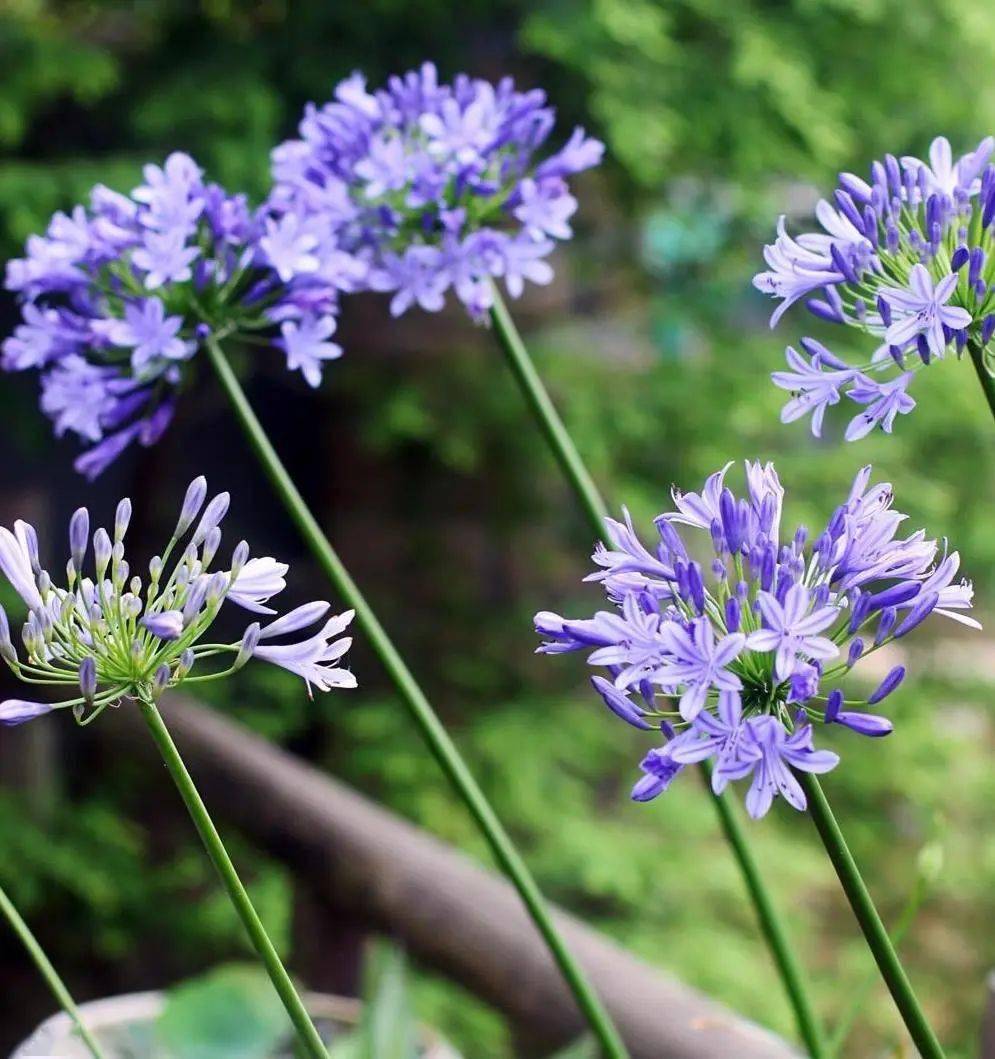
418 458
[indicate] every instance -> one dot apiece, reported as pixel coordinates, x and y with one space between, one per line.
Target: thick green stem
870 922
595 509
48 972
434 733
302 1023
977 353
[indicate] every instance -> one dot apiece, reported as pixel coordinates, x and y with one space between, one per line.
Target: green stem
302 1023
905 920
441 746
48 972
595 509
870 922
977 352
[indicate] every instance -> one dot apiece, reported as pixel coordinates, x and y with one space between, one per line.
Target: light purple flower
791 629
312 659
257 581
922 309
307 347
289 246
903 257
776 750
884 400
721 656
165 258
698 662
149 333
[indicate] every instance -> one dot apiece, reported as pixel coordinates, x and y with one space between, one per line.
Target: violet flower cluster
737 660
429 187
117 297
108 637
909 258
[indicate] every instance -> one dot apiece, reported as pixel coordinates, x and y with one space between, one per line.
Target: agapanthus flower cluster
738 658
115 635
117 297
429 187
907 256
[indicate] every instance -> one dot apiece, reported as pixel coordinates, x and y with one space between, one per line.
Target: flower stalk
49 973
976 351
595 510
870 921
304 1027
441 746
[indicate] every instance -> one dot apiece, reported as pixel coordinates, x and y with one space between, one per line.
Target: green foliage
230 1013
747 89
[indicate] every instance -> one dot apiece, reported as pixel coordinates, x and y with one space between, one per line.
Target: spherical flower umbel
909 258
426 187
117 297
113 636
737 661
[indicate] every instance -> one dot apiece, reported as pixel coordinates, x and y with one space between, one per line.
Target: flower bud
79 532
155 569
195 599
217 585
161 680
250 640
88 678
102 549
240 556
213 514
210 549
167 625
122 519
887 686
192 504
44 584
185 664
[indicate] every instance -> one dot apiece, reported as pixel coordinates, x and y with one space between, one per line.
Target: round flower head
112 636
425 187
737 661
907 257
117 297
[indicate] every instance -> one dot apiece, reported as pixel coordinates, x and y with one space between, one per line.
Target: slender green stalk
302 1023
441 746
977 352
595 509
870 922
48 972
905 920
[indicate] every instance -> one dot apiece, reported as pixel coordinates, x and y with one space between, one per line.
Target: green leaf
387 1028
231 1012
584 1048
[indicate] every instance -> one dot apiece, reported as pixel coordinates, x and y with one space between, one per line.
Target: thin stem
49 973
434 733
905 920
306 1032
595 509
870 922
977 352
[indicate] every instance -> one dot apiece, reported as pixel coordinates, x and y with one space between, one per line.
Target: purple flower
902 256
312 659
775 750
698 663
790 629
728 658
884 402
405 179
289 246
206 266
75 632
149 333
922 309
307 347
814 387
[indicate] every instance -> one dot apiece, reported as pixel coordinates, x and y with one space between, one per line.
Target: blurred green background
416 452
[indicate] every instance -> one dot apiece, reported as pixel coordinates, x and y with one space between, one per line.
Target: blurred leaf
232 1012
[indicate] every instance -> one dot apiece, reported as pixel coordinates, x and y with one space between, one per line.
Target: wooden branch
448 911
